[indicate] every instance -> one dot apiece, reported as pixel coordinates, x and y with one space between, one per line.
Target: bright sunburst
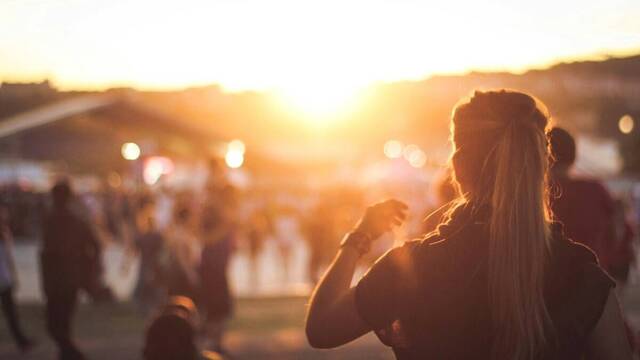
319 102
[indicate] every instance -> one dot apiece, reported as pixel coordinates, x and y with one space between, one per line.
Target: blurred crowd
184 240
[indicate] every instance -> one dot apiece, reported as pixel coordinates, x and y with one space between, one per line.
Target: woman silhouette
497 279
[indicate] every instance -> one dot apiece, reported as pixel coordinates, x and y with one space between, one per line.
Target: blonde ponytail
518 234
510 144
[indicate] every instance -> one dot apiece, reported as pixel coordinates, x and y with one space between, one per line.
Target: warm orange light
417 159
114 180
234 157
319 101
415 156
130 151
155 167
626 124
236 145
393 149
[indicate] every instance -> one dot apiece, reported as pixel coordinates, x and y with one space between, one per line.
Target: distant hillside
627 67
586 96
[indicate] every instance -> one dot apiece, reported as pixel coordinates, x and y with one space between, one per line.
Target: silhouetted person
185 252
257 232
586 209
149 244
218 231
498 280
172 334
286 232
70 261
8 282
320 233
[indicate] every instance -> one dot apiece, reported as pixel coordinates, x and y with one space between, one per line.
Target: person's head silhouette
500 161
61 194
171 334
563 150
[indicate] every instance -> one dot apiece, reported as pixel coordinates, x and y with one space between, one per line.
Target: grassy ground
266 328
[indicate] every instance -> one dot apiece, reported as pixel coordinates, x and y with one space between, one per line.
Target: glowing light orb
393 149
130 151
319 101
626 124
155 167
114 180
414 155
236 145
408 150
234 159
417 159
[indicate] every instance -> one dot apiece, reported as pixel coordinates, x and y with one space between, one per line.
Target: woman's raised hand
379 218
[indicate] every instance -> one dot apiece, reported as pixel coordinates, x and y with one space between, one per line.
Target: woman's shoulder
577 287
569 252
402 254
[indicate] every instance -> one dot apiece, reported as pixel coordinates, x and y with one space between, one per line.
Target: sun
319 102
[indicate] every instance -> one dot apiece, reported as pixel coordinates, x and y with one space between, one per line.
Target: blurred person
286 232
172 334
185 251
218 231
112 204
164 208
622 253
70 262
9 283
257 232
586 209
320 235
497 280
149 245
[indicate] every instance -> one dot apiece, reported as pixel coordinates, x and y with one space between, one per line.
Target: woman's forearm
331 320
336 281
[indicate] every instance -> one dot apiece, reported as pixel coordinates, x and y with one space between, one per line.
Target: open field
266 328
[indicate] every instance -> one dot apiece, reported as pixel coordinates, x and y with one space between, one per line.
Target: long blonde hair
500 158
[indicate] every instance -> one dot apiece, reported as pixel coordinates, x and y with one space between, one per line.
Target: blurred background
310 110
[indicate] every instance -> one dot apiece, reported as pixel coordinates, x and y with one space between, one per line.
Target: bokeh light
626 124
409 150
414 155
236 145
417 158
393 149
155 167
130 151
114 180
234 159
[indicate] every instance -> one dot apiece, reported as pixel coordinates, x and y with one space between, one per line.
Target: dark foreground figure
497 280
8 281
172 334
70 262
587 211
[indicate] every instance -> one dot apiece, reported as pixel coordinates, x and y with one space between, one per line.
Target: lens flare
393 149
626 124
130 151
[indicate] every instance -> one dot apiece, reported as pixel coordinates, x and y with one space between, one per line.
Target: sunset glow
289 46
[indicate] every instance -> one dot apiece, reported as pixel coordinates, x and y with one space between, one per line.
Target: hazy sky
297 45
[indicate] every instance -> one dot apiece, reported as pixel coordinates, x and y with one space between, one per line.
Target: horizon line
600 56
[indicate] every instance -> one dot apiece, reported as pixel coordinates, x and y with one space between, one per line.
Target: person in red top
585 208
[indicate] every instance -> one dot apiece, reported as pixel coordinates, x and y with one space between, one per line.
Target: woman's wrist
357 240
350 252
